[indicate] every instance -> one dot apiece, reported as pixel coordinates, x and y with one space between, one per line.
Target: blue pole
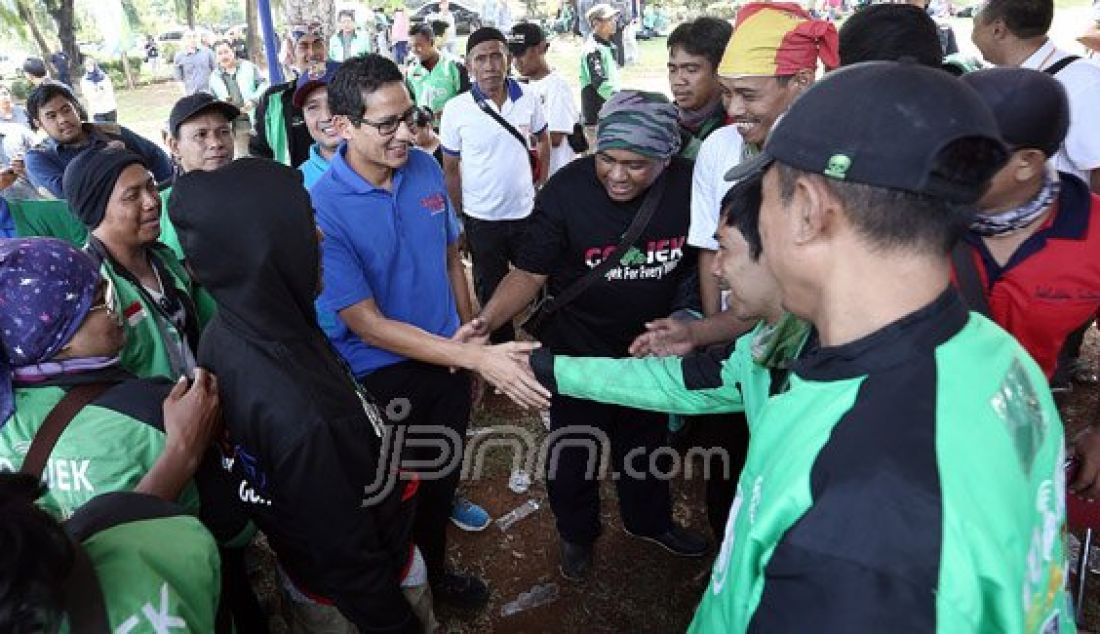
271 43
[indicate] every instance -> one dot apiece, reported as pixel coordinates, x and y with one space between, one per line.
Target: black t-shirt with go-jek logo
575 225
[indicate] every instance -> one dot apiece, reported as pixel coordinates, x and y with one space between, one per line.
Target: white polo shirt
720 151
561 115
495 168
1080 153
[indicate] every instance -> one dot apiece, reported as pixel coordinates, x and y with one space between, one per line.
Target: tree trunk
252 34
126 70
191 14
63 15
27 16
306 11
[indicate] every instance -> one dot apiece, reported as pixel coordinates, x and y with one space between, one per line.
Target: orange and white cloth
778 39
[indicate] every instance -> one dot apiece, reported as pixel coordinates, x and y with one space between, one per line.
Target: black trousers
573 470
424 398
730 433
493 245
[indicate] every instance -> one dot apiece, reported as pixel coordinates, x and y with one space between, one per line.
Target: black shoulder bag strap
45 439
553 304
487 109
83 596
967 278
1057 67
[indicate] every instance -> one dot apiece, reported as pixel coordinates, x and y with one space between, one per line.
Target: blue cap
315 76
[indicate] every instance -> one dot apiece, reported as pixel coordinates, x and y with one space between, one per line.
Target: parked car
466 20
175 36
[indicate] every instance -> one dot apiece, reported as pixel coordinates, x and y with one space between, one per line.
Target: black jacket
299 433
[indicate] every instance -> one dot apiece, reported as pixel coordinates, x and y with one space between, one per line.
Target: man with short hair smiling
488 134
239 82
311 96
770 60
394 278
280 132
348 40
54 109
580 218
694 51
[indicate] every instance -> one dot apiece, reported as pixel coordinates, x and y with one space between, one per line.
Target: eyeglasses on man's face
389 125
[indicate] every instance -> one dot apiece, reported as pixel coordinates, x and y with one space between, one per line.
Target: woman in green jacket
163 310
60 336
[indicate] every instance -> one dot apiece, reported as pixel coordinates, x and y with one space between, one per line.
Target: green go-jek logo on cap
838 166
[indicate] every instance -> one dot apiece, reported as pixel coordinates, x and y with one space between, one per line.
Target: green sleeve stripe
652 383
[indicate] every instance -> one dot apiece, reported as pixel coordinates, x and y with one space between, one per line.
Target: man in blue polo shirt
395 283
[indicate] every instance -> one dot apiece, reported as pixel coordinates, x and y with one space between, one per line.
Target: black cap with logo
524 36
887 124
192 105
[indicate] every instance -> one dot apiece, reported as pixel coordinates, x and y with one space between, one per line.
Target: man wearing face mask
280 132
634 186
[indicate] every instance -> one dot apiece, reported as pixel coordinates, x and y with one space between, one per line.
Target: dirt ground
634 586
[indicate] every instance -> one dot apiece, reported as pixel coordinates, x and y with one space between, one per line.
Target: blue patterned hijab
46 289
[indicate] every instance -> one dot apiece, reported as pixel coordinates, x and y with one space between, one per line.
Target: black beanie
90 178
485 34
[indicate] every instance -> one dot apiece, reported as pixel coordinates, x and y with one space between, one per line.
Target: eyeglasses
389 125
109 303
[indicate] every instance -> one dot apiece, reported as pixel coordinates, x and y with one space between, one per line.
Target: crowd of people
853 269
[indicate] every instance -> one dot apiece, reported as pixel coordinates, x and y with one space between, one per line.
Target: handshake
505 366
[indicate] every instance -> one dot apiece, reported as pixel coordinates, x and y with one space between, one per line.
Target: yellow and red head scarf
777 39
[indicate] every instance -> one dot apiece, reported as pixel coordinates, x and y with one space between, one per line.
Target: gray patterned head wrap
642 122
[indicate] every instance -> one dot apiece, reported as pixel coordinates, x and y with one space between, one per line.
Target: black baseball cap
886 124
1030 106
192 105
524 36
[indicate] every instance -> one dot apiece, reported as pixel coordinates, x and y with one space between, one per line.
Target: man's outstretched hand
507 368
668 337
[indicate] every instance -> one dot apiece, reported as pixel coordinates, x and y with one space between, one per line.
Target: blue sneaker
469 516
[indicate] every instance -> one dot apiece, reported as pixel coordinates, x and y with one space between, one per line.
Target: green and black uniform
599 77
110 445
280 132
911 480
156 335
157 567
433 87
